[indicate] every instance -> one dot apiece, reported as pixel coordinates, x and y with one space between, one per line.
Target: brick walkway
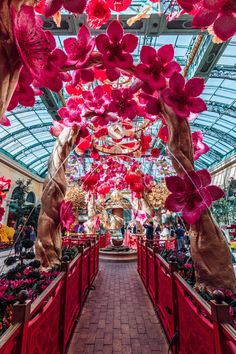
118 316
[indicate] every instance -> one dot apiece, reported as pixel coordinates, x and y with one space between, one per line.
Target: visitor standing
165 233
122 230
180 232
149 230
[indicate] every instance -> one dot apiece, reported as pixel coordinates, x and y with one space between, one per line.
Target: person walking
149 230
180 232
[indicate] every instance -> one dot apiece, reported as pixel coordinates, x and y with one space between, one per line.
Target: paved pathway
118 317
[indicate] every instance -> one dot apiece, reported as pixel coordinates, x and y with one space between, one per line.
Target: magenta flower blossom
183 97
5 121
37 49
24 93
57 128
191 194
79 50
71 114
199 146
66 214
53 6
85 75
156 66
96 104
123 103
116 49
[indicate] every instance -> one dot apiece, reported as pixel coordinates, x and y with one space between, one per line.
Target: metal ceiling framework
28 140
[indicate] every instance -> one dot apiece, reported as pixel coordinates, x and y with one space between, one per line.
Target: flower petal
175 184
75 6
225 26
115 31
197 105
213 4
205 177
194 86
170 68
113 74
191 216
102 42
192 181
204 18
51 7
87 75
174 202
166 53
216 192
129 42
177 82
147 54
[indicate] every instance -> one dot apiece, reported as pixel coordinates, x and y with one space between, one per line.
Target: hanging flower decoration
116 48
183 97
156 66
37 49
123 103
218 16
98 13
199 147
50 7
155 152
191 194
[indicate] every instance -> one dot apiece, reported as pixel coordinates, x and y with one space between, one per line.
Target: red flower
5 121
75 6
79 50
116 49
94 154
199 146
66 214
103 189
191 194
219 13
145 141
123 103
37 49
98 13
183 97
2 211
163 133
101 132
24 94
155 152
71 114
156 66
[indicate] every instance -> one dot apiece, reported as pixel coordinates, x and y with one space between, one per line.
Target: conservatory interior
118 176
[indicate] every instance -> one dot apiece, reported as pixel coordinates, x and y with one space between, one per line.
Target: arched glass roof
29 142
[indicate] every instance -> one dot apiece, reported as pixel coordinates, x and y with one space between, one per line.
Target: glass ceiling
29 142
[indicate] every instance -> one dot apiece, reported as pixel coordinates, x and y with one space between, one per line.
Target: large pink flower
37 49
78 50
191 194
123 103
66 214
96 103
183 97
24 93
98 13
75 6
71 114
219 13
199 146
156 66
116 49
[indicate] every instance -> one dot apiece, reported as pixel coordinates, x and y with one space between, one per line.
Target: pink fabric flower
123 103
221 14
53 6
98 13
37 49
116 48
57 128
24 93
71 114
66 214
79 50
5 121
156 66
191 194
199 146
96 103
183 97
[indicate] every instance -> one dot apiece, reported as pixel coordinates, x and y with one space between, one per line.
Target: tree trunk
48 244
210 252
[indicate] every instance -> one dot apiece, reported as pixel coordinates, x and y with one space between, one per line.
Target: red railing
191 324
45 325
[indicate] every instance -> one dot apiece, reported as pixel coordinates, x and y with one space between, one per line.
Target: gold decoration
156 198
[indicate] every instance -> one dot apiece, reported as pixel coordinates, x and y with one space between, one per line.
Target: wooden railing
45 325
191 324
